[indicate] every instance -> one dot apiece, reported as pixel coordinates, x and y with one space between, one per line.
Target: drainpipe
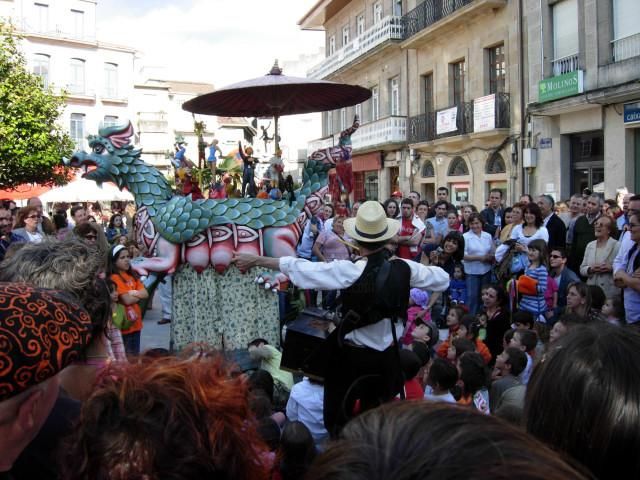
523 114
407 83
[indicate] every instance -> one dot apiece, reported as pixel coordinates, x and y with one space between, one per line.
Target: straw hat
371 224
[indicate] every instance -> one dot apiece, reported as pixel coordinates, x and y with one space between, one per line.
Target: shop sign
446 120
484 113
561 86
632 113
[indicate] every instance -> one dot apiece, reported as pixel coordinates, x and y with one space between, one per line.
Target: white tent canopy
82 190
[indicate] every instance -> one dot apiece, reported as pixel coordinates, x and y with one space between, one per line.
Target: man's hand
245 261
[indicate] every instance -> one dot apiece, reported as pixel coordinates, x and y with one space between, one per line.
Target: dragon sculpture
178 230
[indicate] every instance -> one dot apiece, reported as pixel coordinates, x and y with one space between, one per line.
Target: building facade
60 45
363 47
159 118
583 95
445 105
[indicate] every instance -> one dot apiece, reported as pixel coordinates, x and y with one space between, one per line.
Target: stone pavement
154 335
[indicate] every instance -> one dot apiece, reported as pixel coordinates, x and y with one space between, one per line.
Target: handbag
527 285
121 319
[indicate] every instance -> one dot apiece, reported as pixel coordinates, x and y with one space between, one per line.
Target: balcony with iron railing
390 130
563 65
626 47
430 17
153 122
425 127
58 31
388 29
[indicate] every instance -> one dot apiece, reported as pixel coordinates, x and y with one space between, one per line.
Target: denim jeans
131 343
474 290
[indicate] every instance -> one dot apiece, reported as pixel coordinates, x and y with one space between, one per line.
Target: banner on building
484 113
561 86
446 120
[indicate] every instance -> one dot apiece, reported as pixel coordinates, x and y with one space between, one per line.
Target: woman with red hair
167 418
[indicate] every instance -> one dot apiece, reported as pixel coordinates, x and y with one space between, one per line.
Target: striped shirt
536 303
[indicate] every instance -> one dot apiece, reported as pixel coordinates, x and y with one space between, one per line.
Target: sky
212 41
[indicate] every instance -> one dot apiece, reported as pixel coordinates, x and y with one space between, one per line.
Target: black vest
382 291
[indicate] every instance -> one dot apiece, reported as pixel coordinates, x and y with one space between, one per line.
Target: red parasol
276 94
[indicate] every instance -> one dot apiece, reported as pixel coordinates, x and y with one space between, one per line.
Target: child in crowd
525 340
441 379
506 338
537 270
563 325
459 346
297 451
482 320
130 292
269 358
425 333
525 320
613 311
410 364
469 329
458 286
418 301
453 319
453 323
551 296
474 378
522 319
509 365
118 322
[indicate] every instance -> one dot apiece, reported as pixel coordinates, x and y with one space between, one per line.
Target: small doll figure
212 158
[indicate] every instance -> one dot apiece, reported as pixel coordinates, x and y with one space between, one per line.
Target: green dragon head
110 154
113 159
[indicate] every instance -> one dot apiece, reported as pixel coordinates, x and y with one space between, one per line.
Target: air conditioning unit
529 158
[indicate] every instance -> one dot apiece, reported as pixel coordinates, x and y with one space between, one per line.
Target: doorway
587 162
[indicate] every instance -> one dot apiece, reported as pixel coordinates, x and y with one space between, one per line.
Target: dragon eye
98 148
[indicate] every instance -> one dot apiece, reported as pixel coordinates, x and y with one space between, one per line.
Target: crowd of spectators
525 367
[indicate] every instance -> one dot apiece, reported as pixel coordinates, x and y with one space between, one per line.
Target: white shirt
306 405
34 237
518 235
526 373
340 274
620 262
477 245
443 397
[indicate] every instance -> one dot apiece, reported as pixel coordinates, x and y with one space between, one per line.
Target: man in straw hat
42 331
363 363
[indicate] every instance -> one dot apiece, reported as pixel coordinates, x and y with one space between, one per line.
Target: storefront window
460 194
587 162
371 185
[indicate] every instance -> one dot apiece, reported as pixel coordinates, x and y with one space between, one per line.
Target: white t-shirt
432 397
477 245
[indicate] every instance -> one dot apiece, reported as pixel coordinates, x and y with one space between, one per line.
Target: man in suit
555 226
492 215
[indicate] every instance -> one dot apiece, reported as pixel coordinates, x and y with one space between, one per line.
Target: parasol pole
275 135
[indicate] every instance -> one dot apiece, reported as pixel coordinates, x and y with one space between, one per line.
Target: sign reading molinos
561 86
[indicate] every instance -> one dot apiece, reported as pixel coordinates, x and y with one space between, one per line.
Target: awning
366 162
24 192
